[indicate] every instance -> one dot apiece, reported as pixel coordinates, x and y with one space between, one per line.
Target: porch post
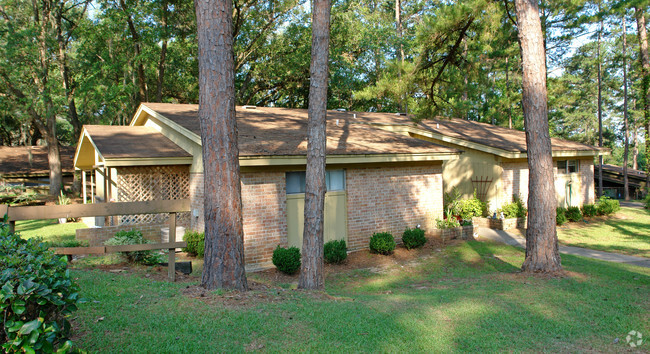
83 186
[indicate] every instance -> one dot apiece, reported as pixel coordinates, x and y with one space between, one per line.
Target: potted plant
63 200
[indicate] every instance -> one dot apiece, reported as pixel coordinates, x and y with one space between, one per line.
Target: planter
467 232
500 224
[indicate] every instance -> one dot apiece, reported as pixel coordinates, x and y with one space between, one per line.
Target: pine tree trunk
224 235
311 270
626 184
645 65
600 110
163 53
142 81
541 238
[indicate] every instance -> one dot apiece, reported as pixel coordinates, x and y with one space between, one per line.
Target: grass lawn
49 230
467 297
626 233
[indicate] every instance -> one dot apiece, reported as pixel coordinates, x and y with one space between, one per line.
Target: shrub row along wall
378 199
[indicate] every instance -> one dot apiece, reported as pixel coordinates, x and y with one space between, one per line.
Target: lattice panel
153 183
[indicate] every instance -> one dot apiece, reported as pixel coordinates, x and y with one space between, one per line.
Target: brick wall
97 236
264 214
514 181
392 199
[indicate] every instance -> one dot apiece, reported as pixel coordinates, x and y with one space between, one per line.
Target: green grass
469 297
628 233
49 230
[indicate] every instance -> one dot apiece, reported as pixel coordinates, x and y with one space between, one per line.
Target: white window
334 180
567 166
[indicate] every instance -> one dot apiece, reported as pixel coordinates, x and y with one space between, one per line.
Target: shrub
589 210
36 298
448 223
413 238
195 243
382 243
335 251
647 201
469 208
606 206
287 260
134 237
515 209
560 216
573 214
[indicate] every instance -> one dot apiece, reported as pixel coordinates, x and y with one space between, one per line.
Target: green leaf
18 307
14 327
28 327
65 347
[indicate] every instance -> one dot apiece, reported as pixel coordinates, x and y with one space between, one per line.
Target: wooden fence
107 209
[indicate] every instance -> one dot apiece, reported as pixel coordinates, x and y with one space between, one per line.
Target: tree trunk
65 73
541 237
400 49
142 81
600 110
626 129
311 270
645 84
163 53
224 234
41 79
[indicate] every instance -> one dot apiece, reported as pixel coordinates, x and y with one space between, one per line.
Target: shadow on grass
469 297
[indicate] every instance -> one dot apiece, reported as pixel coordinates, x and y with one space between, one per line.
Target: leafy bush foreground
37 296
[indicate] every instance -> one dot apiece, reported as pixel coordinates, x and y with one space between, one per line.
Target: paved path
516 240
637 205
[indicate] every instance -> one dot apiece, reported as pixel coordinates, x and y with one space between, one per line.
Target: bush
515 209
413 238
606 206
589 210
287 260
448 223
647 201
573 214
382 243
134 237
560 216
469 208
36 298
195 243
335 251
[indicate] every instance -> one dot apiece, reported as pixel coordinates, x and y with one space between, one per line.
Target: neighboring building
494 161
613 185
377 180
28 166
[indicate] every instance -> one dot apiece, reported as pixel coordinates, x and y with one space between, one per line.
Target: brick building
377 180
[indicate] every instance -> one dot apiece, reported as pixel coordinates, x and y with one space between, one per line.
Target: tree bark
163 53
626 184
224 233
645 83
311 270
41 79
541 236
600 110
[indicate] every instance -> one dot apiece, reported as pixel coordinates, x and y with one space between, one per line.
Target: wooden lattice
144 183
481 185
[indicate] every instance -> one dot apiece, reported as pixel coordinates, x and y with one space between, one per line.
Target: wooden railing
107 209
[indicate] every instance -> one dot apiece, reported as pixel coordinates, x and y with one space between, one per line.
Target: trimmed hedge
607 206
413 238
36 298
560 216
573 214
382 243
195 243
589 210
287 260
335 251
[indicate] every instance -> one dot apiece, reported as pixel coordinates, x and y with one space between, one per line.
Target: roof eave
288 160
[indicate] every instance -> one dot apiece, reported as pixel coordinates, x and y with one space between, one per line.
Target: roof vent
250 107
400 114
340 109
